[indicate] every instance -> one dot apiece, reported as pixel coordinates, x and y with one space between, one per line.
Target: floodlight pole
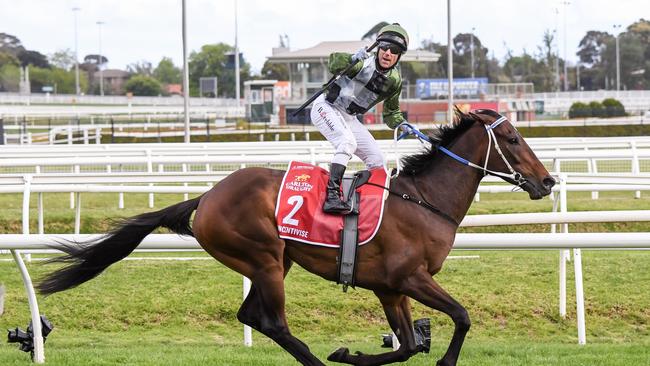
618 62
471 47
566 76
450 68
99 63
557 54
236 60
76 53
186 76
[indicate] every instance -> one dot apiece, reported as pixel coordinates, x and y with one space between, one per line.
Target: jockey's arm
392 114
339 61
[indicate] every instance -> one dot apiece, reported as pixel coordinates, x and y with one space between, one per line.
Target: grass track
172 313
183 313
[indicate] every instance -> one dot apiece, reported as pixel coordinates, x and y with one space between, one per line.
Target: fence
224 156
76 100
463 241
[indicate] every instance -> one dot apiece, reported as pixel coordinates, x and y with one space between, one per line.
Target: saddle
300 218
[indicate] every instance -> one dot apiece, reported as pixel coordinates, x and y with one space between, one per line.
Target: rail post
563 252
39 352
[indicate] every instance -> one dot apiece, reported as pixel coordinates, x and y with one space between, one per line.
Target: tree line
543 67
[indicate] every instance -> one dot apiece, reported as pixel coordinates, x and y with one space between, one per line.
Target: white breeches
346 134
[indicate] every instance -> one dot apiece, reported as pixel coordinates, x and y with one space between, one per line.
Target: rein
423 202
514 175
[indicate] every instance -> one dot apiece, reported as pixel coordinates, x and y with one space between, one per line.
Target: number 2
297 202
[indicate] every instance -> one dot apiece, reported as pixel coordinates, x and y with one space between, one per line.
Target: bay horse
235 223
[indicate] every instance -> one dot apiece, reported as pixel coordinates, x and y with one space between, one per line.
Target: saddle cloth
299 214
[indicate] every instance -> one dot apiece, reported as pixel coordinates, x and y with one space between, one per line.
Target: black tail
88 259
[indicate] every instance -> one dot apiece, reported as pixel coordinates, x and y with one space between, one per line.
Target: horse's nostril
549 182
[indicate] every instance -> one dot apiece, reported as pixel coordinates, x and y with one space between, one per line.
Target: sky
148 30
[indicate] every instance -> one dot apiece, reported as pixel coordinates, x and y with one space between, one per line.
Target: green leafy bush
143 85
597 109
613 108
579 110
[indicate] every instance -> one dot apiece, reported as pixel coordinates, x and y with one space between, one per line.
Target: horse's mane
443 136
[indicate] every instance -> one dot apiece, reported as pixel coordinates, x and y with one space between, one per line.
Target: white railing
79 100
474 241
270 147
180 154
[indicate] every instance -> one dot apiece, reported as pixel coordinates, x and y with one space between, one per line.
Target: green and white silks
364 86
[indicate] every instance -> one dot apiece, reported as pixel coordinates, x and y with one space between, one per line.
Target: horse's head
509 154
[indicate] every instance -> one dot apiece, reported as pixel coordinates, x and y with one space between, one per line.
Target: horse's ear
476 117
458 115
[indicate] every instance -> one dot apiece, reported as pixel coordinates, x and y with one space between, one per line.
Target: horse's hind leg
398 314
263 310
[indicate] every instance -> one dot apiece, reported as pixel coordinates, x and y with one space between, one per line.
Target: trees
463 55
63 81
9 77
167 73
63 59
33 58
10 44
597 52
141 68
274 71
213 61
143 85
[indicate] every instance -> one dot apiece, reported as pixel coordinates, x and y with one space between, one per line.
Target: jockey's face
387 58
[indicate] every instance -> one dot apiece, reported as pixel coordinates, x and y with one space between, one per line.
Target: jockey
373 79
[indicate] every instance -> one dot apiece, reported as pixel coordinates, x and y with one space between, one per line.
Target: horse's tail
88 259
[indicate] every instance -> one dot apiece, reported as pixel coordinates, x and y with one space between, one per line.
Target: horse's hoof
339 355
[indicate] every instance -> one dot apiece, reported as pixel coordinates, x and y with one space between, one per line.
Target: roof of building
322 51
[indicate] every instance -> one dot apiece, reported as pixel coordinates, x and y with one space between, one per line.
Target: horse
234 222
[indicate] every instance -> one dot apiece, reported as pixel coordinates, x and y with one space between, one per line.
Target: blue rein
514 175
421 136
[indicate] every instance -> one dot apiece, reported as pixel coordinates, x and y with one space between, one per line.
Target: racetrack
171 313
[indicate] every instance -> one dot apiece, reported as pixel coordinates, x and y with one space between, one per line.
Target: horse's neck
449 185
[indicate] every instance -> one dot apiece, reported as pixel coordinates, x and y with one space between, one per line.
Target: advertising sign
432 88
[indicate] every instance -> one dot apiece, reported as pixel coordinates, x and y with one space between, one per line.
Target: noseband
514 175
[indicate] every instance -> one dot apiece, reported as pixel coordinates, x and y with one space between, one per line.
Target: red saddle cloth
299 213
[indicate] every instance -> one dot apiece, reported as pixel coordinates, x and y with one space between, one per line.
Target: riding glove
360 55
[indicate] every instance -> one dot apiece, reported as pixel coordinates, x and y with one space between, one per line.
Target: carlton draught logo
300 183
302 178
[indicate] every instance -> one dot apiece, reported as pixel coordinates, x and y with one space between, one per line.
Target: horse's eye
513 141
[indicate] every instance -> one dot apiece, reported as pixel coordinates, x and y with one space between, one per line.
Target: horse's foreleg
263 310
422 288
398 314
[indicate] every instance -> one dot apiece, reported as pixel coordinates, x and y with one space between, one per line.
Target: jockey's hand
360 55
407 129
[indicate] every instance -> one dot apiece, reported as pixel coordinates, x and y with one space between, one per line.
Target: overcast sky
137 30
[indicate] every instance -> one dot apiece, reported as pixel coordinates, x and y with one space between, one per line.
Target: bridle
513 175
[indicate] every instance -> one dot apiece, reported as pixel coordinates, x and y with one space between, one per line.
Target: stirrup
342 209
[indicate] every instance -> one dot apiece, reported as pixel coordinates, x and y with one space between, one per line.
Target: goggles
394 49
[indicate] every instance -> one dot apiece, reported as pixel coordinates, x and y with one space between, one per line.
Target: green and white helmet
394 33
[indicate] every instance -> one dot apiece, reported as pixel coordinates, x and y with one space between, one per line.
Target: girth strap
347 258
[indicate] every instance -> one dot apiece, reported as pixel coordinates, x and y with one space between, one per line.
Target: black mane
445 135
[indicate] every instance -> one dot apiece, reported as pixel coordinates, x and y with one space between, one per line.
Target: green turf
183 313
157 312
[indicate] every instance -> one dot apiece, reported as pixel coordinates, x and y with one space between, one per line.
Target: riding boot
333 203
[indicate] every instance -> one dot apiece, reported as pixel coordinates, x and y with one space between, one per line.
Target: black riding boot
333 203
